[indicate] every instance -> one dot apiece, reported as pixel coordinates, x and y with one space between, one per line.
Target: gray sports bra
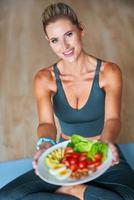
87 121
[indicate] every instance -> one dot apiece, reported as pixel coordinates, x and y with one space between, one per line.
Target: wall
24 50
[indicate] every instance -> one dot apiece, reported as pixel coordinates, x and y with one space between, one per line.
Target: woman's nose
65 45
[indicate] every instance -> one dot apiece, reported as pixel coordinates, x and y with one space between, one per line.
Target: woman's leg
49 196
29 186
117 181
93 192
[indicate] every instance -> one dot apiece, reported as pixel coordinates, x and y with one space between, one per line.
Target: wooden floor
23 50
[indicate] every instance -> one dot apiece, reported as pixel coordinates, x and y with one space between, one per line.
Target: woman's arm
112 80
113 90
43 92
43 89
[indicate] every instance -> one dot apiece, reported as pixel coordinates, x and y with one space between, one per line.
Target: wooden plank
24 50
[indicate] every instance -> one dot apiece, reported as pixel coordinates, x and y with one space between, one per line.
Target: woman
85 94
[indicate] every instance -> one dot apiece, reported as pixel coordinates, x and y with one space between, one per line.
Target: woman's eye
69 34
54 41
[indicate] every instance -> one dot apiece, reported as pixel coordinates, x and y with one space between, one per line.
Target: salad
81 157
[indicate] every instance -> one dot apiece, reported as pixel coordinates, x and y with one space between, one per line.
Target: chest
79 101
77 91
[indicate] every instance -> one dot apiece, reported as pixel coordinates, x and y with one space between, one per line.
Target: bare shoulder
110 73
44 74
110 67
44 79
108 70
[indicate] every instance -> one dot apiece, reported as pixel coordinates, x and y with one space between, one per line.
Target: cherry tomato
82 164
82 157
68 150
97 163
68 155
72 160
75 155
98 157
66 162
84 153
73 167
89 163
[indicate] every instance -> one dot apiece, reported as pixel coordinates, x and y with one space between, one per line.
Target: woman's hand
113 149
115 153
112 146
43 148
36 158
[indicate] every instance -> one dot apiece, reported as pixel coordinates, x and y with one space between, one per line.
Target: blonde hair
56 11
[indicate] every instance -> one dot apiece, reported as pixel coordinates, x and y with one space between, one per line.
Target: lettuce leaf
77 138
98 147
92 147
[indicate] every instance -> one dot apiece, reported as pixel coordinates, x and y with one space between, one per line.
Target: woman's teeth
69 52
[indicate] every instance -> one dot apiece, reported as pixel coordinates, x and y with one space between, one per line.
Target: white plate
46 176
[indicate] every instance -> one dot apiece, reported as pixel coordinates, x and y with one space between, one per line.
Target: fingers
65 137
35 159
115 154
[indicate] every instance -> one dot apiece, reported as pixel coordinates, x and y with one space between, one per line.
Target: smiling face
65 39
